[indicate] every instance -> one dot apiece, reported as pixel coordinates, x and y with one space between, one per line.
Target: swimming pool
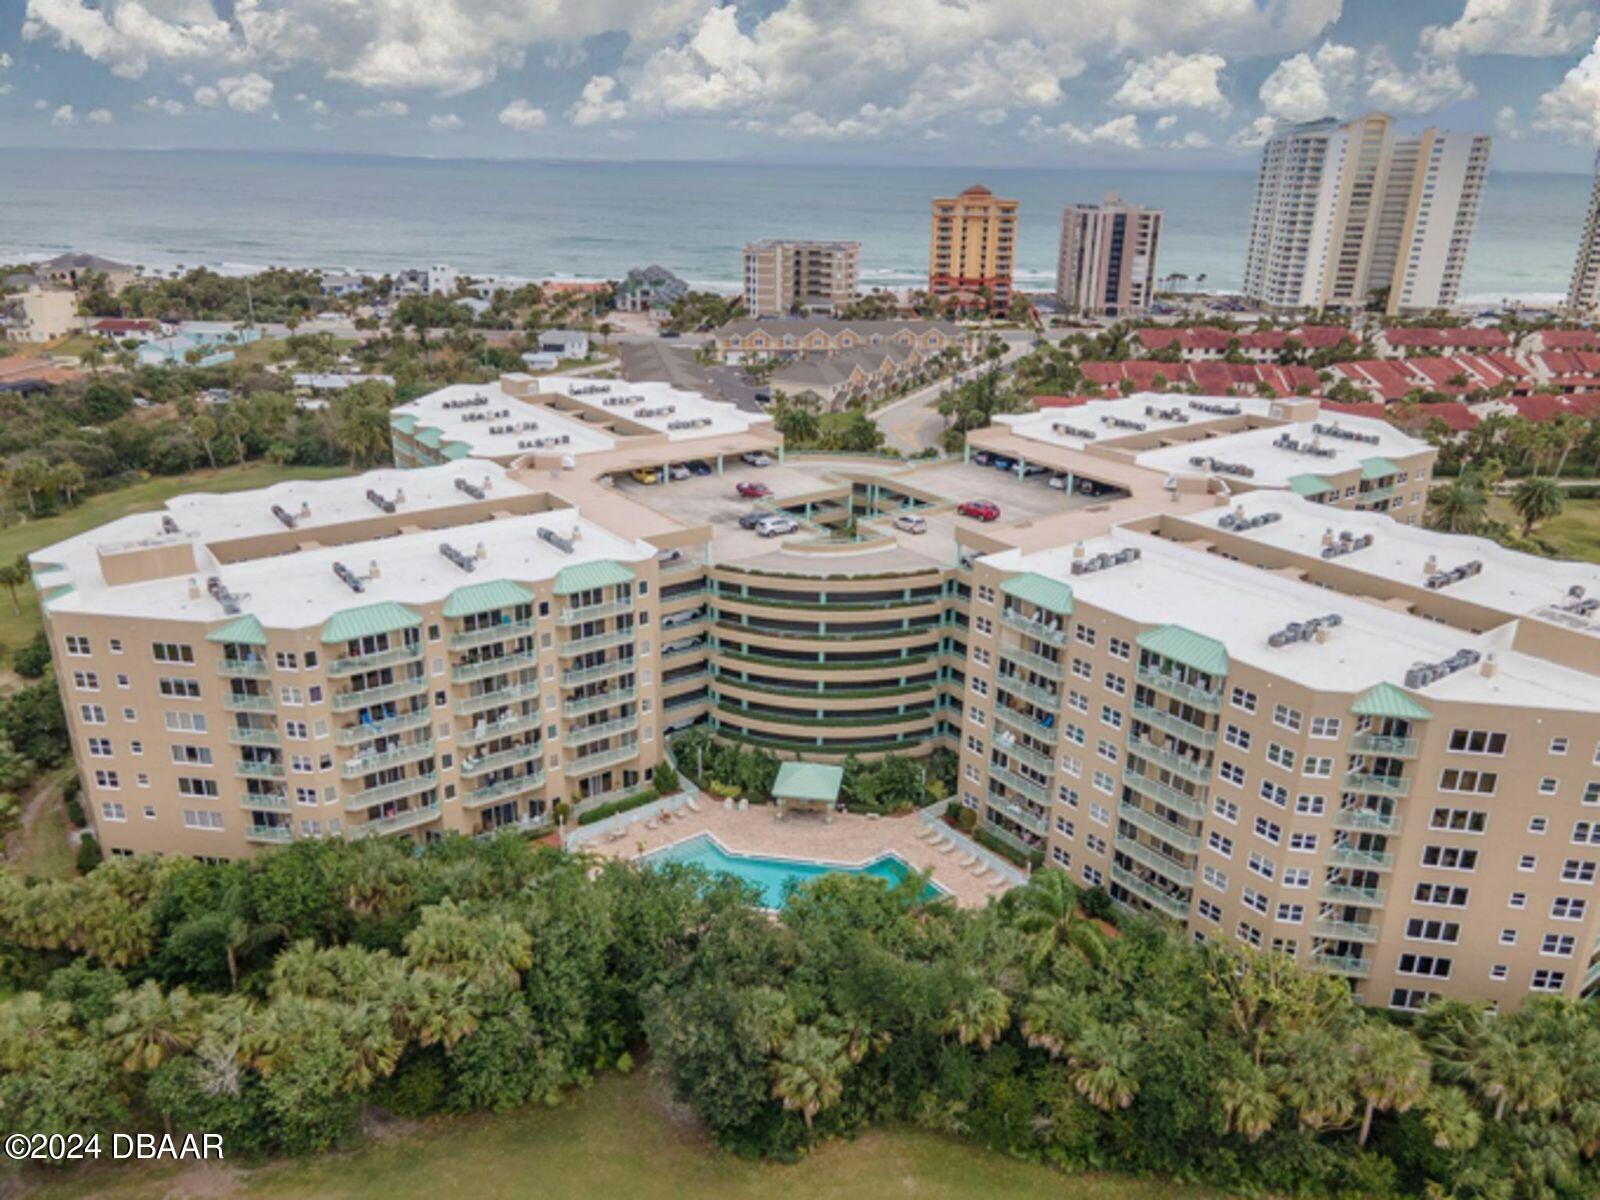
773 875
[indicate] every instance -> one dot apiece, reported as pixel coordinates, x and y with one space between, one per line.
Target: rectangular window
188 786
1545 980
1267 830
1459 820
172 652
1479 783
1419 929
1449 858
179 689
201 818
1431 965
1246 700
1476 741
1280 756
1325 727
1446 895
78 645
1289 718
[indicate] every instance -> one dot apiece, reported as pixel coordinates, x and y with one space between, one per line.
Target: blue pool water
773 875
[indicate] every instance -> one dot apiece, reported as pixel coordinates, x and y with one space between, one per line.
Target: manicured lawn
27 536
618 1140
1576 532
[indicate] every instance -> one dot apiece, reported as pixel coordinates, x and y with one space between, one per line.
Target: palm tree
146 1025
1390 1071
980 1015
1312 1072
1449 1115
1047 912
1457 506
68 478
1052 1018
1536 499
204 430
808 1074
441 1010
1103 1061
1249 1105
12 576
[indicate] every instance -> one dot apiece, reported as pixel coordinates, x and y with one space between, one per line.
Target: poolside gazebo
803 785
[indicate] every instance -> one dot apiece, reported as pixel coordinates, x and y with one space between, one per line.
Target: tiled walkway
850 839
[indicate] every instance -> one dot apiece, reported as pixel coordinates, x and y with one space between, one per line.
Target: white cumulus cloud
245 93
1120 131
1430 87
207 96
1532 28
597 103
1306 87
1572 107
1174 81
522 116
64 116
444 123
99 116
385 108
165 104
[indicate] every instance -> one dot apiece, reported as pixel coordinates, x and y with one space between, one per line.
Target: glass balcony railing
1193 807
594 612
472 765
1173 906
1179 764
1038 663
267 803
245 702
385 792
1164 865
246 769
1366 820
501 789
270 834
486 731
1341 964
243 668
409 819
577 676
596 641
1380 785
1360 897
1202 698
1390 747
1364 860
352 735
493 699
1344 931
1022 786
354 664
603 758
466 639
486 667
399 690
583 735
1167 722
365 764
254 737
1159 826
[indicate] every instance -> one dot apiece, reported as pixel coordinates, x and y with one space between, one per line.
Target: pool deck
850 840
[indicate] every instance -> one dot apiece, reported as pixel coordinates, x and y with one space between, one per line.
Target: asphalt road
912 423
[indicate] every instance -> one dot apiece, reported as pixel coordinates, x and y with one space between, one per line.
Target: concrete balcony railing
486 667
409 819
364 764
353 735
1202 698
469 638
384 792
399 690
354 664
528 752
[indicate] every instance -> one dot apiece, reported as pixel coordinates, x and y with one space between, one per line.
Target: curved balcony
350 701
384 792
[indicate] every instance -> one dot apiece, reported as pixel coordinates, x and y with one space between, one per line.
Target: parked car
1001 463
673 620
670 333
775 525
698 467
677 471
983 458
688 643
980 510
753 518
753 491
756 459
1059 482
907 523
763 396
646 474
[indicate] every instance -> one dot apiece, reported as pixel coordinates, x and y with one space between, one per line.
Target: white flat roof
1507 581
1242 606
1274 466
523 423
1129 416
676 412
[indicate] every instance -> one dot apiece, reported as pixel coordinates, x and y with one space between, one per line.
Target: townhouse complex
1350 212
783 277
1196 650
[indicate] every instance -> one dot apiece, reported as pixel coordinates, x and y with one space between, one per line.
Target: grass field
1575 533
40 846
616 1140
25 537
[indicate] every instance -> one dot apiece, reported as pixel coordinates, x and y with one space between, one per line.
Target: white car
1059 482
678 471
775 526
910 524
756 459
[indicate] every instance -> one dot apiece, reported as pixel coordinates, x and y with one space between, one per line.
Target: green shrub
1096 902
33 660
966 818
88 853
1006 850
666 778
723 791
75 812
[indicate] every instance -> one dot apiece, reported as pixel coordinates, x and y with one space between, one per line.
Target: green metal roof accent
1309 485
429 437
813 782
583 577
404 422
368 621
55 593
1187 647
1386 700
1032 588
485 597
241 631
454 450
1377 468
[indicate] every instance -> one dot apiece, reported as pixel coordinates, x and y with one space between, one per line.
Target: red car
754 491
982 510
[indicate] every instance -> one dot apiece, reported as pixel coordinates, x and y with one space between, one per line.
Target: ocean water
237 211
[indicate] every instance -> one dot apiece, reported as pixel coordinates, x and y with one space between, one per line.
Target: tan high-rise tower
972 248
1108 257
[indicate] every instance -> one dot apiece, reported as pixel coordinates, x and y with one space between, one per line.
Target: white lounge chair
928 834
727 804
649 824
946 847
691 805
968 859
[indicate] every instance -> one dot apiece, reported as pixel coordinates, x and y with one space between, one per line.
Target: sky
1142 84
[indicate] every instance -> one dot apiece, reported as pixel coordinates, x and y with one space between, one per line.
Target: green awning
368 621
455 450
1386 700
1309 485
1187 647
404 422
485 597
1049 594
1377 468
815 783
584 577
242 631
429 436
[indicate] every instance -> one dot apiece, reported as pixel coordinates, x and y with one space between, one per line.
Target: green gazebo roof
484 597
368 621
815 783
242 631
583 577
1386 700
1049 594
1187 647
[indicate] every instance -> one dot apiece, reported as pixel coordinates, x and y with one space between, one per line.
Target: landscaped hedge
1006 850
611 809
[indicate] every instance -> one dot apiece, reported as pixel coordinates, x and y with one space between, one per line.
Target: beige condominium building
1107 263
1348 213
783 277
972 247
1193 659
1583 294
